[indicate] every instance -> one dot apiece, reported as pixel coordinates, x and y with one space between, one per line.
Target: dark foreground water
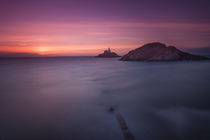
69 98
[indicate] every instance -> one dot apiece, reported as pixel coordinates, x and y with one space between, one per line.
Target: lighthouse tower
109 50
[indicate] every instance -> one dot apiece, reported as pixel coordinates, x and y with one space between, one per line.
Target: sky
87 27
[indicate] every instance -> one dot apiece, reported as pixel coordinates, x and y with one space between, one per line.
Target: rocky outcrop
159 52
108 54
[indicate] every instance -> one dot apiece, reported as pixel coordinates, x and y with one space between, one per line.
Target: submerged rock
159 52
127 134
108 54
111 109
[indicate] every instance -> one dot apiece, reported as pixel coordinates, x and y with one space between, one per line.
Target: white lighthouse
107 51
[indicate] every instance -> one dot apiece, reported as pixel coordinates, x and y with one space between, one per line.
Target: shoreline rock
159 52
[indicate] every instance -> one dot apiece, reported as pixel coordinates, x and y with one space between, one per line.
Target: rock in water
159 52
111 109
108 54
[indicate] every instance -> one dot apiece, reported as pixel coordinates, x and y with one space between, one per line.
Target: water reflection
68 98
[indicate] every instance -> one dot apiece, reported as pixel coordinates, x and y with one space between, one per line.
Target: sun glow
42 50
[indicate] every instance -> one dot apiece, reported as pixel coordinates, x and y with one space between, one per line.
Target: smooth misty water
68 99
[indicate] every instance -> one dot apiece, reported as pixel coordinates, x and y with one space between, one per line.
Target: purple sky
89 26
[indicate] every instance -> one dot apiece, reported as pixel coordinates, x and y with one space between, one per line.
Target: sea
69 98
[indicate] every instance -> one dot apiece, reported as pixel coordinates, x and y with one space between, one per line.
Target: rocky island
108 54
159 52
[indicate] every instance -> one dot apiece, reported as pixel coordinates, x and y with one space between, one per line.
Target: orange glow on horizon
93 37
70 50
42 50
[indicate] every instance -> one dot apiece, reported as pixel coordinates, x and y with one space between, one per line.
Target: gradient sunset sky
87 27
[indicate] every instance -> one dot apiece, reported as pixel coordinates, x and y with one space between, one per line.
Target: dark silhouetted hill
159 52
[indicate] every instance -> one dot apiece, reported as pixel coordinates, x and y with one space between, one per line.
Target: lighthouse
107 51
